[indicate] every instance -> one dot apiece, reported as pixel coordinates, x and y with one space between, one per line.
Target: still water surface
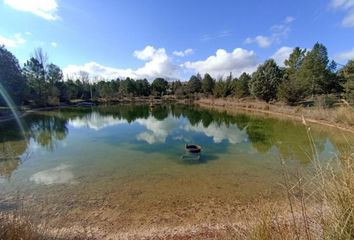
123 164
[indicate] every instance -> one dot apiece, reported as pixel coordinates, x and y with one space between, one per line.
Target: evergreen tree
35 73
159 86
142 87
54 76
314 71
295 60
266 80
178 88
291 90
127 87
194 84
347 73
208 84
175 85
11 78
241 86
223 88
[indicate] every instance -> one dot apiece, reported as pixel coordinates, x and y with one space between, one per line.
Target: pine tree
265 81
347 73
241 85
314 71
291 90
208 84
11 78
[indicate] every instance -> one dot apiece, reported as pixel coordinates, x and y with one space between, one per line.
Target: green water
122 164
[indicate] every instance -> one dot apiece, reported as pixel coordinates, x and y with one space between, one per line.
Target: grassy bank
341 116
321 205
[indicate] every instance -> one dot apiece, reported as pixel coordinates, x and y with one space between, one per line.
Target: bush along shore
307 75
309 84
340 116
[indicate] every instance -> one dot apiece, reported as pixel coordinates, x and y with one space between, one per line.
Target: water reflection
46 130
58 175
154 128
158 130
7 166
95 121
220 132
12 145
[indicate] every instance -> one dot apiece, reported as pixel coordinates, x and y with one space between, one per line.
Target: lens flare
13 109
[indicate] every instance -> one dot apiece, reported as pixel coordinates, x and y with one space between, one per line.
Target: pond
123 165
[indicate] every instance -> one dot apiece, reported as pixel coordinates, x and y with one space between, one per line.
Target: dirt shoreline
235 226
23 113
311 115
24 110
233 107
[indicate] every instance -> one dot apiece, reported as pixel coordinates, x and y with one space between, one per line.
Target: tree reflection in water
159 122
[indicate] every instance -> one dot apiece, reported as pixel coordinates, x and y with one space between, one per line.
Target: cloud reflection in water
220 132
158 130
95 121
58 175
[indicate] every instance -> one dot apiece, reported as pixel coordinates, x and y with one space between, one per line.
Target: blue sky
173 39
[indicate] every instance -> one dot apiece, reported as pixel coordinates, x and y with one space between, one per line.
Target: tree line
306 73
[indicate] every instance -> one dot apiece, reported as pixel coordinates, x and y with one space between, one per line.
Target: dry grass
320 205
345 115
341 116
338 200
14 228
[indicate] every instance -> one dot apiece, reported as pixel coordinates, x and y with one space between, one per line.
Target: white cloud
223 62
57 175
281 55
262 41
95 121
279 32
158 64
13 41
96 69
206 37
345 56
345 4
220 132
348 7
225 33
289 19
46 9
149 52
184 53
54 44
221 34
157 130
348 20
